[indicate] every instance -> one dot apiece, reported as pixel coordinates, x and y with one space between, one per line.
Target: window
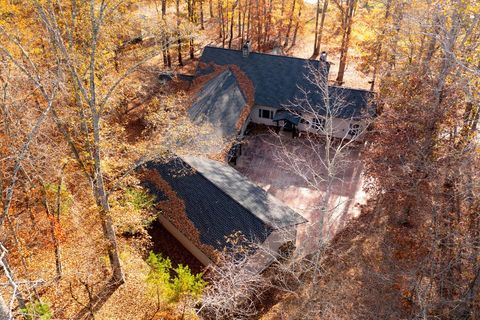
266 114
318 123
354 129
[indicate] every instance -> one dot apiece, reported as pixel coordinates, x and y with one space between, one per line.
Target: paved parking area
261 162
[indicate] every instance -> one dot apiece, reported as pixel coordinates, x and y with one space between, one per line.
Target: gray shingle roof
219 201
277 79
220 101
256 200
352 103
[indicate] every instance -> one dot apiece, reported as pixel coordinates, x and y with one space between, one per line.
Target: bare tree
249 271
6 310
48 86
95 96
327 145
234 287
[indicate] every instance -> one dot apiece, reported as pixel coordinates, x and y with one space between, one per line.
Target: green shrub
182 286
37 310
138 199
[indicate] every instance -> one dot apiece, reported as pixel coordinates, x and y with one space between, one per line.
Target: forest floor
353 78
303 48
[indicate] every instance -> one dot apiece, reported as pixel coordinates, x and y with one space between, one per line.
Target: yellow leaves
131 210
7 10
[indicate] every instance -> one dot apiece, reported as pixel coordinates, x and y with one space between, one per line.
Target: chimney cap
323 56
246 48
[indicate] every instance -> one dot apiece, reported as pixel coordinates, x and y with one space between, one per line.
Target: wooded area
81 109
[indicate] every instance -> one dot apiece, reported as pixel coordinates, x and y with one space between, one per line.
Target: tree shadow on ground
361 278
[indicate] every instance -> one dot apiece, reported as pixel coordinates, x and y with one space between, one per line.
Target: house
281 87
203 201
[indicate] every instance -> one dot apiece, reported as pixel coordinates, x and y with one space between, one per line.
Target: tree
185 288
179 40
347 12
425 198
326 151
235 4
319 29
234 288
81 129
290 22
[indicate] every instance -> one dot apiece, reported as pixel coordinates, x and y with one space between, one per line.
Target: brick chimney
323 56
246 49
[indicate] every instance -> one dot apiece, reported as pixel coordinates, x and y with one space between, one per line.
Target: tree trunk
289 27
397 19
294 40
58 259
322 22
264 23
249 17
268 26
231 24
179 40
169 57
164 54
316 50
191 18
239 34
192 49
431 45
348 19
244 16
378 50
259 25
101 198
220 19
54 219
202 26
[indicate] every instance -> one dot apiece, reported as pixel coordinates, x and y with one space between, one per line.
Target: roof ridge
188 162
264 53
272 224
229 69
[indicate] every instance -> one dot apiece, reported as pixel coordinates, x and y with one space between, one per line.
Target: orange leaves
249 92
58 231
174 210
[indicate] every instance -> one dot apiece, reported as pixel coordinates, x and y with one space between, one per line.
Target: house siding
341 127
262 259
254 116
194 250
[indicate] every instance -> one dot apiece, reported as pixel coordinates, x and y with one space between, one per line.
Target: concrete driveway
260 162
